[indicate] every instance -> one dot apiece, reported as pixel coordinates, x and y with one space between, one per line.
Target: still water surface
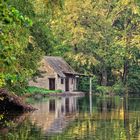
75 118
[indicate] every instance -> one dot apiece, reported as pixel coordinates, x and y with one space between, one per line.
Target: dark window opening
67 84
52 83
52 105
67 105
62 81
72 81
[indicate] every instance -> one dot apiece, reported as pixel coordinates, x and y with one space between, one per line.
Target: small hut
56 74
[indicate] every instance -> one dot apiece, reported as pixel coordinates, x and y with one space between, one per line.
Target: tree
127 26
103 35
15 37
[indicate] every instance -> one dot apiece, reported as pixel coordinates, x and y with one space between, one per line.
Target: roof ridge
53 57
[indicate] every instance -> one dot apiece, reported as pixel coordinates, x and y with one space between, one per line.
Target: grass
33 90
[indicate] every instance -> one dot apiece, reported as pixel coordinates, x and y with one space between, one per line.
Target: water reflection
86 118
90 103
9 121
53 116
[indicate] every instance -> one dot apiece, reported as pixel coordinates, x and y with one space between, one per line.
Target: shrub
103 89
118 88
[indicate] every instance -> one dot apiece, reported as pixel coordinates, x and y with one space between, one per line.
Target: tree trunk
104 76
125 72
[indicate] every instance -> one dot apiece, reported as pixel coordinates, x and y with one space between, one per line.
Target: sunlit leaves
100 31
15 68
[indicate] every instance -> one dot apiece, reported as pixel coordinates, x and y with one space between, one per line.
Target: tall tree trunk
125 72
104 76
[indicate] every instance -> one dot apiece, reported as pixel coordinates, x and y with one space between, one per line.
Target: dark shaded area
11 103
10 120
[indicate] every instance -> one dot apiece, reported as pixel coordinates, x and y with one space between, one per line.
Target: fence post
90 88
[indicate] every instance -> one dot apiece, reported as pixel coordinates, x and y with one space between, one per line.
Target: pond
75 118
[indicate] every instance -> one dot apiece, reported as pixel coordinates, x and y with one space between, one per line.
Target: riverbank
10 102
41 92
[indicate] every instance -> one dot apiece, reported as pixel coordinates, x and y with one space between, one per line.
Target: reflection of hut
53 116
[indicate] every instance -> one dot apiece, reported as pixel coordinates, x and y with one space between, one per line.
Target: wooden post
90 88
90 103
90 95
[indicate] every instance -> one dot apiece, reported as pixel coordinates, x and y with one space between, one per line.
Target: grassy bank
31 90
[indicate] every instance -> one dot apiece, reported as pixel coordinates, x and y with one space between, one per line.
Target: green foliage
103 35
16 49
134 79
84 83
96 37
10 25
118 88
103 90
43 37
24 6
34 90
23 131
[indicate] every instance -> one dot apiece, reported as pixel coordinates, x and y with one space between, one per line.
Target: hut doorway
67 84
52 83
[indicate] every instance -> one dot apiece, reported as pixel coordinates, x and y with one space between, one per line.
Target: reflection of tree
110 120
131 121
114 122
136 128
107 104
9 121
126 118
25 131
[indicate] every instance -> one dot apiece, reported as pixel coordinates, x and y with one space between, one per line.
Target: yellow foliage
125 2
135 9
2 82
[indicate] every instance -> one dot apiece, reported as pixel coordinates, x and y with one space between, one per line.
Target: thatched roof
60 66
